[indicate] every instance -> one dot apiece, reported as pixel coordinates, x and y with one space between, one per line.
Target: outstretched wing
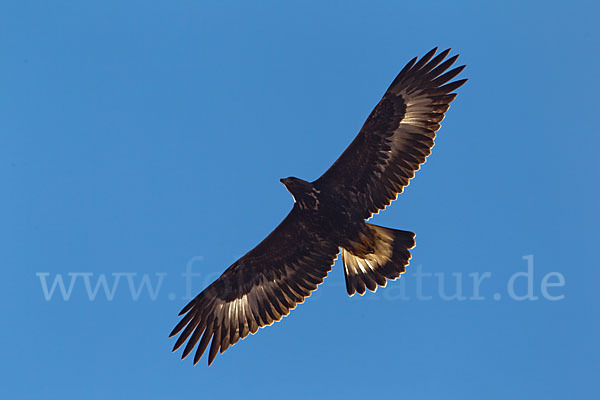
258 289
398 135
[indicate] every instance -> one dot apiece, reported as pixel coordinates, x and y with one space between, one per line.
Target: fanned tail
381 254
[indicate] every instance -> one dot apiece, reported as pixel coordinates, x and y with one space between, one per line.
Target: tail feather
386 259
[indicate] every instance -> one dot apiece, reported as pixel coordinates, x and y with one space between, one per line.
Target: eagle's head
297 187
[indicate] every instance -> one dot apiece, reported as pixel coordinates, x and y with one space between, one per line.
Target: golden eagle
328 215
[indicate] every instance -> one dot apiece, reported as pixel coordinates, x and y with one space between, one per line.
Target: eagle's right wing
259 288
397 136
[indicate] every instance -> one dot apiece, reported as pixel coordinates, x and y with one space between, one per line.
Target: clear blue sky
140 136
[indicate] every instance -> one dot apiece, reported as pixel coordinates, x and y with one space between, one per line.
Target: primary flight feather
329 215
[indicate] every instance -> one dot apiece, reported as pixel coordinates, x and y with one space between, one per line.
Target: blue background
137 135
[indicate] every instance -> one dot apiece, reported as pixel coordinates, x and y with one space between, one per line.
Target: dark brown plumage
328 215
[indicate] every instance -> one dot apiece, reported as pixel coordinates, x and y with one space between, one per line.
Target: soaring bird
329 216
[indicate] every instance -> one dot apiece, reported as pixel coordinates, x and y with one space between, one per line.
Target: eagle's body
318 203
330 215
330 212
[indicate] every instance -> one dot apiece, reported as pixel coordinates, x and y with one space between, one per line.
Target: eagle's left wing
397 136
258 289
